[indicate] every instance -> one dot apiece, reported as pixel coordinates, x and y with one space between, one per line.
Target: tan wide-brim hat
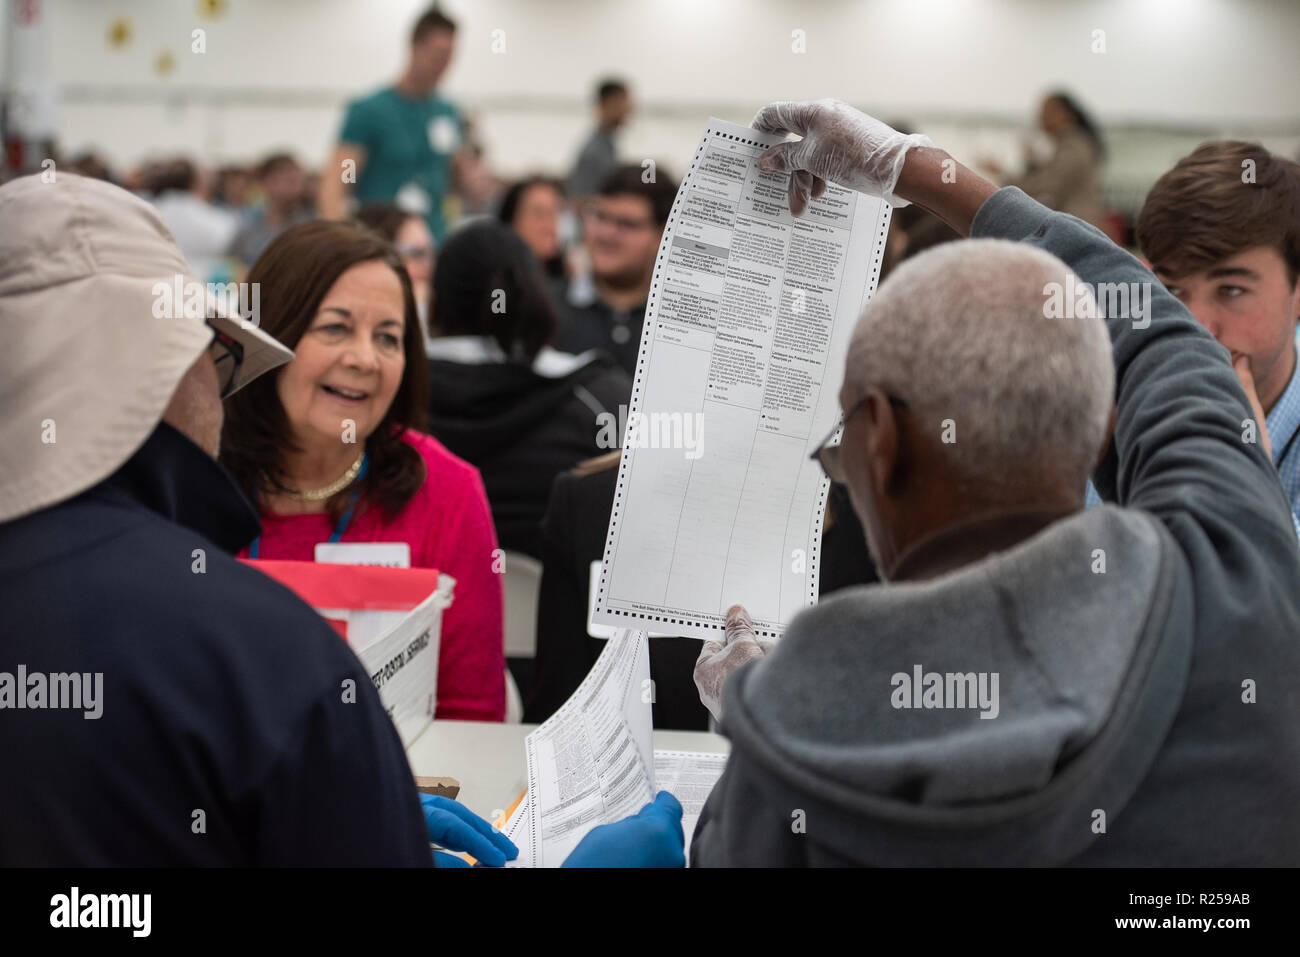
91 348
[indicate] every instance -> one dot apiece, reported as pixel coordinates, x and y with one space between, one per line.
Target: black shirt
520 429
597 326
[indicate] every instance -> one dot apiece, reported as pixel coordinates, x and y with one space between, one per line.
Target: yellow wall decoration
119 33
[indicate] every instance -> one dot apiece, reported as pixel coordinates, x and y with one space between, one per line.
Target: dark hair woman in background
1070 180
532 207
502 398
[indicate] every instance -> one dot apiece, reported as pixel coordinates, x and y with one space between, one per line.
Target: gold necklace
328 491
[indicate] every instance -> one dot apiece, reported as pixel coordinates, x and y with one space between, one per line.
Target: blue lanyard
344 520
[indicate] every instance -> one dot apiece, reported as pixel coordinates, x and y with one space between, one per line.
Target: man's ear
882 440
1110 435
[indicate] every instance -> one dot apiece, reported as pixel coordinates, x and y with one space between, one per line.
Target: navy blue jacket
225 737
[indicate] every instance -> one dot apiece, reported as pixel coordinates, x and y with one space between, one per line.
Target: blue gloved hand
652 837
457 828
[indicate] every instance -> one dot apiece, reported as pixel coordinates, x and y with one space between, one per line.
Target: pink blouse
449 527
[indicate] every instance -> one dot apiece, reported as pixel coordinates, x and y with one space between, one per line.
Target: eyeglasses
227 356
827 455
421 253
621 223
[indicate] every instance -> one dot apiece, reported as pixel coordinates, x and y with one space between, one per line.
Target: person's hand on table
840 145
455 827
652 837
718 659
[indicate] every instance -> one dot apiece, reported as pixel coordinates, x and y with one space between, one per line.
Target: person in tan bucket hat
161 703
84 386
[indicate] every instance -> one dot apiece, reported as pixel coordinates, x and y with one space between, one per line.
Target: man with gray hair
1027 399
1033 683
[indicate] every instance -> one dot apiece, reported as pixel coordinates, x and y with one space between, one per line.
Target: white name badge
412 199
390 554
444 134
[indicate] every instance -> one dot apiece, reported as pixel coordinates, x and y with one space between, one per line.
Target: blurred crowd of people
474 332
517 381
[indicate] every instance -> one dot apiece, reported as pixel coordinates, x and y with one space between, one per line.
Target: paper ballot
688 776
742 356
519 828
592 762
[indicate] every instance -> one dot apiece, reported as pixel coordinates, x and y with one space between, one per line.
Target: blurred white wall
276 73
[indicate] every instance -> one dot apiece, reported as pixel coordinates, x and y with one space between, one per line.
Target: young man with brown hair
1222 232
623 226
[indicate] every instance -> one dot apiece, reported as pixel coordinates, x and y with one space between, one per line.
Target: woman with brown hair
534 208
330 450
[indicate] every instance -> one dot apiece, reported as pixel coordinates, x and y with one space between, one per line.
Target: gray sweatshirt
1147 714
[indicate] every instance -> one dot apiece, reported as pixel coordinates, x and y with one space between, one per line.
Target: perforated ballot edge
704 625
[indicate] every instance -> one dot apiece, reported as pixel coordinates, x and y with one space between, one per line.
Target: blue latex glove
457 828
652 837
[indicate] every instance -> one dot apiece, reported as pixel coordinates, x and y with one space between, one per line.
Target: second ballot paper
593 763
737 379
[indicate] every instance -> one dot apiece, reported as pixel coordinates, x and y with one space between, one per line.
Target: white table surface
488 758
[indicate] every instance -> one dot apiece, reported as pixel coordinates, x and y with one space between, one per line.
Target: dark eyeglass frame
234 352
417 251
621 223
827 455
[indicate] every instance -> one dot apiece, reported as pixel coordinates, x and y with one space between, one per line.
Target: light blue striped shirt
1283 424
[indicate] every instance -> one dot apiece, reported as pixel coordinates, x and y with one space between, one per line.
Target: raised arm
337 178
1186 440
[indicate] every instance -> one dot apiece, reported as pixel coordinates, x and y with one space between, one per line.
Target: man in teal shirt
399 145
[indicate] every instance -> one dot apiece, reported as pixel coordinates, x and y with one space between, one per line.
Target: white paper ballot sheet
518 828
592 762
737 379
688 776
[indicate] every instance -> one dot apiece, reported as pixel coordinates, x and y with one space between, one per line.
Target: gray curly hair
962 333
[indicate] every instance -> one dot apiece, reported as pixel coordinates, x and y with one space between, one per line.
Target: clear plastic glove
652 837
718 659
840 145
457 828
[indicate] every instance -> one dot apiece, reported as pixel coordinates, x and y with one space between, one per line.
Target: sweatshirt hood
1000 706
480 402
